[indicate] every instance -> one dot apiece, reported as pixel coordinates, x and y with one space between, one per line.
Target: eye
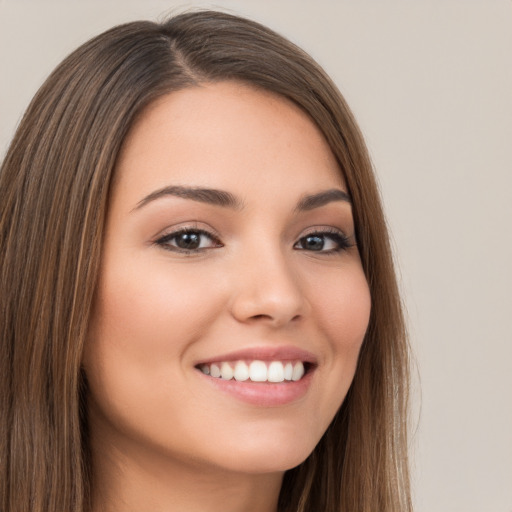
188 240
324 241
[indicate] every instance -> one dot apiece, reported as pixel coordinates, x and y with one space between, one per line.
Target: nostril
270 317
261 317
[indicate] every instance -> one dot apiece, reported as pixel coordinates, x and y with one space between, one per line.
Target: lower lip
263 394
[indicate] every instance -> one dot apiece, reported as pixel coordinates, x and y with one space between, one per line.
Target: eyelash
165 240
342 241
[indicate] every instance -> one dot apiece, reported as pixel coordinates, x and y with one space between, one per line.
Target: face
232 304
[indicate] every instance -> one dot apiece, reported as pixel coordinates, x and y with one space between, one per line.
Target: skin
163 438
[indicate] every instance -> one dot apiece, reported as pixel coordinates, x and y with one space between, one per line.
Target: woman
198 310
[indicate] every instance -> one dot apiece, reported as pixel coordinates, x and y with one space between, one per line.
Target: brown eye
188 240
326 242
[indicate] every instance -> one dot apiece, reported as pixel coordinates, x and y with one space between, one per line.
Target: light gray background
431 85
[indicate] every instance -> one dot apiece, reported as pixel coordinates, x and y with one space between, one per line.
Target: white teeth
214 370
241 371
275 372
226 372
288 371
298 371
256 371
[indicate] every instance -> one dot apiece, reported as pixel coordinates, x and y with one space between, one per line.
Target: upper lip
264 353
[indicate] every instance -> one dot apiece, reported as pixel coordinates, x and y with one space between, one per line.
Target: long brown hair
54 186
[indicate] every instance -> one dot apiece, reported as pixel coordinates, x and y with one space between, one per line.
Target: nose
267 290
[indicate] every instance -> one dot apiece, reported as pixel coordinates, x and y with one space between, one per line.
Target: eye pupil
188 241
313 243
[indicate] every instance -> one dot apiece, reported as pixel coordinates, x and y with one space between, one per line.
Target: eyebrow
227 200
203 195
310 202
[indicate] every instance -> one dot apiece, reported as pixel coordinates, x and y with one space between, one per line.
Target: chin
275 456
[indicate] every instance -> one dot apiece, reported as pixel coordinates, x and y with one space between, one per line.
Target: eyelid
165 236
324 230
192 225
345 241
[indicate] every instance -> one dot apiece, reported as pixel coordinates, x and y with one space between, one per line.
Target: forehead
228 135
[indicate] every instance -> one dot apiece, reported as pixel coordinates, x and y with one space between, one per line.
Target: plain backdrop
431 85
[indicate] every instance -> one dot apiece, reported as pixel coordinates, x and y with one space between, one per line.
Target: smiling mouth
257 371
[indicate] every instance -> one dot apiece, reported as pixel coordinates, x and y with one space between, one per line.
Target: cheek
342 312
145 318
342 307
148 306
